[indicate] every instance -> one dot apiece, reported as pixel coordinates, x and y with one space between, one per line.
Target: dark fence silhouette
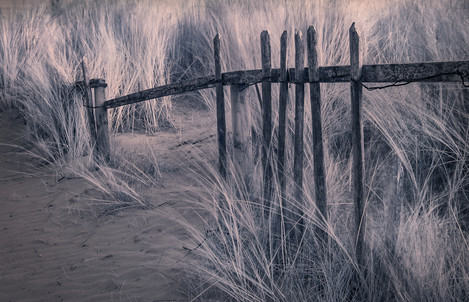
356 74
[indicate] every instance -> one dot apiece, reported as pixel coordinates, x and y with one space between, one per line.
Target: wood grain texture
318 148
103 149
221 119
299 124
266 59
282 114
379 73
357 144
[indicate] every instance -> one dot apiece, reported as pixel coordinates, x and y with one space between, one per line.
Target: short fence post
242 140
221 120
266 118
318 150
299 124
103 149
357 145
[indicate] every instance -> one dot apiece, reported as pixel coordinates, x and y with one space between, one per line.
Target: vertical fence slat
299 121
266 116
242 142
357 143
103 149
89 104
281 223
318 149
282 114
221 120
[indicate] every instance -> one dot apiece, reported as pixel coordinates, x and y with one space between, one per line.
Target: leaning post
357 145
103 150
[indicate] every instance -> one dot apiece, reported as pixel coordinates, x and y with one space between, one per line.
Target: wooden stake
299 122
280 224
266 117
221 120
357 144
282 114
318 149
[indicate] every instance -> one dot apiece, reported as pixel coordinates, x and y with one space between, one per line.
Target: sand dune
53 248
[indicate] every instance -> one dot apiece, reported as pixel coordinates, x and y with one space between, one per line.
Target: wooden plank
318 148
89 104
383 73
162 91
221 120
242 140
357 144
282 115
281 222
103 149
266 116
299 123
411 72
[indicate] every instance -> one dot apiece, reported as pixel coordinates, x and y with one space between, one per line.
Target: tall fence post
318 149
299 124
221 120
282 115
282 223
103 149
357 144
242 140
266 118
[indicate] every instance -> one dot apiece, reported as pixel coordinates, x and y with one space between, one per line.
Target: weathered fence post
282 115
357 144
89 105
242 140
103 149
299 124
318 149
221 120
280 223
266 118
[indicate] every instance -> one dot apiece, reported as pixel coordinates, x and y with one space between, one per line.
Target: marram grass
416 137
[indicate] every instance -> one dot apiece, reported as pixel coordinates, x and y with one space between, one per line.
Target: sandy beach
56 247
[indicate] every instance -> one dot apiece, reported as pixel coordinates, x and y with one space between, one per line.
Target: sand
55 247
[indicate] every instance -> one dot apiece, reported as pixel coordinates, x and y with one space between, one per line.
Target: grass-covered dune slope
416 136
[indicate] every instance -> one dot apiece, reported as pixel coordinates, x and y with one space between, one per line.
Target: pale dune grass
145 44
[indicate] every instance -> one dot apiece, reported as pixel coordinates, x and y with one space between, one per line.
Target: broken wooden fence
356 74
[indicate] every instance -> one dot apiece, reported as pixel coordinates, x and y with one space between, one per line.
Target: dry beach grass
149 225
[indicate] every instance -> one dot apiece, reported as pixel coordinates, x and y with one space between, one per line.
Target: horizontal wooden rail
379 73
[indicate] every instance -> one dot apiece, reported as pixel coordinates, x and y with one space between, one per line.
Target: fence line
355 74
377 73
